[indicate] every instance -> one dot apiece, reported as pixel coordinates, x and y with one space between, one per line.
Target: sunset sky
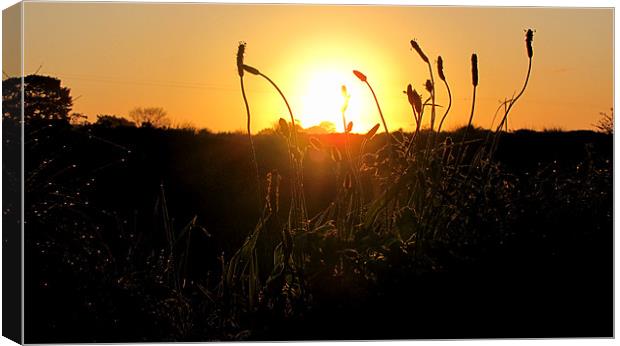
181 57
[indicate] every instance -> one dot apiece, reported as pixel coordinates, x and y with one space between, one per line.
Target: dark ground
553 279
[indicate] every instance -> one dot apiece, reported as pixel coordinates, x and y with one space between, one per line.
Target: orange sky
181 57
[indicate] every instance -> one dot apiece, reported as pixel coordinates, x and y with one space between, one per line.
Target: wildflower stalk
363 78
297 186
290 112
443 78
416 106
529 37
347 147
430 71
240 53
474 81
417 48
380 112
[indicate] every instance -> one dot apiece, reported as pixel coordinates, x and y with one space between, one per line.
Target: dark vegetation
126 226
159 234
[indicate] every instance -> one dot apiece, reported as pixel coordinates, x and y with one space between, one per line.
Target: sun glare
322 100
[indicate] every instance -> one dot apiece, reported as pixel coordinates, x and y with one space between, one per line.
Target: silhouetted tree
606 123
78 119
106 120
150 116
44 99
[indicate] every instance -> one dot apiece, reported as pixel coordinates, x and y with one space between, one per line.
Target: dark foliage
112 121
129 230
44 99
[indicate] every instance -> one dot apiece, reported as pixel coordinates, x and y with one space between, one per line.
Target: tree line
45 99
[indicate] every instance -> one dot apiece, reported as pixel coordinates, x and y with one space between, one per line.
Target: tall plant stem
430 142
471 117
417 129
298 170
247 110
527 78
514 100
290 112
430 71
387 132
449 105
353 168
388 141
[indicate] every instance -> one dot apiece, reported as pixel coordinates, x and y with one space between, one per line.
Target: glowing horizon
117 56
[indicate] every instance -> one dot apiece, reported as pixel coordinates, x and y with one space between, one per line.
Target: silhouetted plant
430 86
474 82
443 78
240 71
362 77
529 37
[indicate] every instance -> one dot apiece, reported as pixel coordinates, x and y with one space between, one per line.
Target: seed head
240 52
417 102
417 48
251 69
429 86
349 127
474 69
529 37
440 68
372 132
359 75
409 93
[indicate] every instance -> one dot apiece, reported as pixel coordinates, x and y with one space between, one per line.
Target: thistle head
417 48
240 53
474 69
529 37
440 68
359 75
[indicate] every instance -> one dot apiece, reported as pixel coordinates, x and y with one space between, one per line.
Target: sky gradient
181 57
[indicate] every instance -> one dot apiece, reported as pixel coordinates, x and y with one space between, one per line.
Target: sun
322 99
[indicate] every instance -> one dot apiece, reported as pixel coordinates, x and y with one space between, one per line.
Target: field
139 234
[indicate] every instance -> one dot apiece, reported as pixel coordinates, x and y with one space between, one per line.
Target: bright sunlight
322 99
